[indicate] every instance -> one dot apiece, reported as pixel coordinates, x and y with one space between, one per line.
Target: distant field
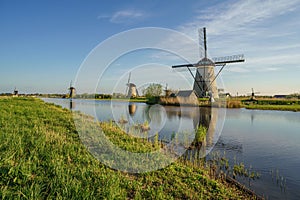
42 157
295 108
273 104
264 104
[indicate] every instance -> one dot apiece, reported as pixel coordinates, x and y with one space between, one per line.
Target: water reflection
167 121
164 120
132 108
252 118
208 118
194 117
72 104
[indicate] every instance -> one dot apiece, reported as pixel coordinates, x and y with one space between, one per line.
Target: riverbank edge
239 103
230 104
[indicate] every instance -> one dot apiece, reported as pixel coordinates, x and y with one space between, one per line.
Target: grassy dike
295 108
273 104
259 104
42 157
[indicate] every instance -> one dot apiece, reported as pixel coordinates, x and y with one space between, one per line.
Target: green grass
42 157
265 104
199 136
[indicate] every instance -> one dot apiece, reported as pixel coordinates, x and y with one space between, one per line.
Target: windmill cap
205 62
131 84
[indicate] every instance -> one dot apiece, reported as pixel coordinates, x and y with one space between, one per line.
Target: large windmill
204 81
131 90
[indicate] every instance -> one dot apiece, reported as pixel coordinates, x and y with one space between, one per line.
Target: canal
268 142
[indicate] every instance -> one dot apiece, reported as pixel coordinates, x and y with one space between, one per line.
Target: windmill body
72 91
204 81
131 90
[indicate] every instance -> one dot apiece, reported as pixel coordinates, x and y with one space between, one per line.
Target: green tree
153 90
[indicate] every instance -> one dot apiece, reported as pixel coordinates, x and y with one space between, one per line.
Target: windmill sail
127 85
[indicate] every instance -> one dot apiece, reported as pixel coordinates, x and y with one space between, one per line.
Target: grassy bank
273 104
260 104
42 157
295 108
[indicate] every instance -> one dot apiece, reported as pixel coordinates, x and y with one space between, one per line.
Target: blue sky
44 43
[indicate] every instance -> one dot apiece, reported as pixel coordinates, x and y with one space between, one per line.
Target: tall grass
42 157
234 104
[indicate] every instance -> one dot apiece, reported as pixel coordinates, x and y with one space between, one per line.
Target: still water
268 141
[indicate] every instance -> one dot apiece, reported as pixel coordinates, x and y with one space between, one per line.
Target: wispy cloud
240 26
124 16
270 69
239 15
237 69
278 59
252 27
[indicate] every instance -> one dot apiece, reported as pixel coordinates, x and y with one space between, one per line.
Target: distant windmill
72 90
204 82
131 90
16 92
252 98
167 91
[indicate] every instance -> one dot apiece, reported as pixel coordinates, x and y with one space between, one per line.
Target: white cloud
242 23
103 16
178 48
237 69
283 60
237 16
269 69
124 16
236 27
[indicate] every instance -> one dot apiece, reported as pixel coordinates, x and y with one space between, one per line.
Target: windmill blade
201 48
184 65
254 91
129 78
228 59
219 61
128 84
205 47
126 90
